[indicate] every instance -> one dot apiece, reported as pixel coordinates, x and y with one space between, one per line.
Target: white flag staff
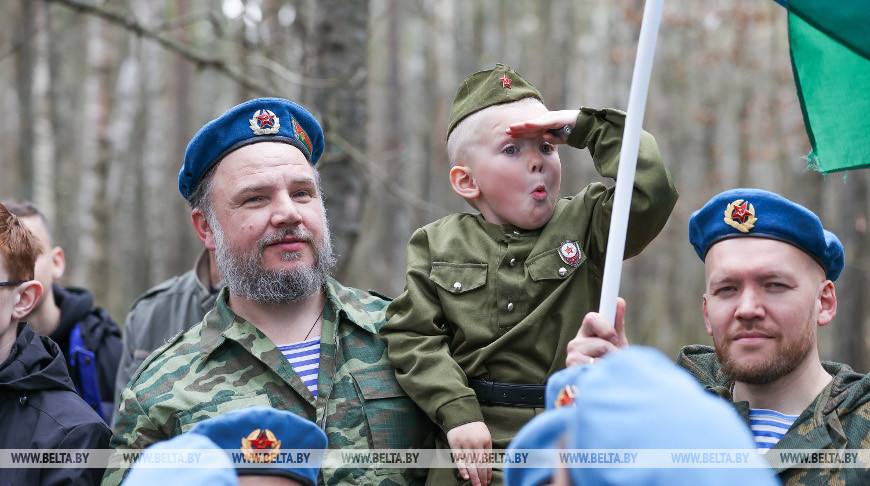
628 158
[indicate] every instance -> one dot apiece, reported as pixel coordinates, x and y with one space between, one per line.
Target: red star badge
740 212
265 120
505 81
566 396
261 442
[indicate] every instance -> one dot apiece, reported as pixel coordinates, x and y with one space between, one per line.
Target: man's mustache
296 233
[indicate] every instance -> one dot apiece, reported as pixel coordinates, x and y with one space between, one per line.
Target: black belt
510 394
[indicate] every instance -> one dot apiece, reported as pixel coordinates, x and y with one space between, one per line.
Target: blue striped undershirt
768 427
304 357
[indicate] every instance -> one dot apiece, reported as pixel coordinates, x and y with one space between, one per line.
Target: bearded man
770 269
283 333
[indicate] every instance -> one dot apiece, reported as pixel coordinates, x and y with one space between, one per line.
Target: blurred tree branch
141 30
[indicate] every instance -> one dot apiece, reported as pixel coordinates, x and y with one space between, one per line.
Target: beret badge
260 446
300 134
264 122
566 396
742 211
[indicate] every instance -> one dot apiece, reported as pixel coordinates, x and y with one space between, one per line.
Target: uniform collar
345 306
504 232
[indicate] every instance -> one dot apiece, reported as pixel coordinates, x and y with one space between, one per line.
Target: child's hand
542 126
471 440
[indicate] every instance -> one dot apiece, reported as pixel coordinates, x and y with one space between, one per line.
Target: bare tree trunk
25 64
341 29
848 328
44 153
92 262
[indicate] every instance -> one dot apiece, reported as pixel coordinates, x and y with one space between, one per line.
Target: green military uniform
225 363
839 418
499 303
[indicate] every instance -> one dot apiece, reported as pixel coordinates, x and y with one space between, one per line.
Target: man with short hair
770 269
88 337
39 407
283 332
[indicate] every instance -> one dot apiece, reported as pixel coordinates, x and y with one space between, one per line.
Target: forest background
100 97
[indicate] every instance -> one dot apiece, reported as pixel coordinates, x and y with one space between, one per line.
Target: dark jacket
94 368
39 409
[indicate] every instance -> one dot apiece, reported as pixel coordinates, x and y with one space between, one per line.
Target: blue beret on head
637 399
258 120
256 431
220 471
764 214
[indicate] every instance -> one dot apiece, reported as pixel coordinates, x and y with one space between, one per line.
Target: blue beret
220 471
638 399
763 214
258 120
254 430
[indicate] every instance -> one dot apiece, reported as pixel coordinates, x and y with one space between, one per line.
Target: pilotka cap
486 88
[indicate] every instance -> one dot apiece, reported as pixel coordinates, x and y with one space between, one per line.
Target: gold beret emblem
743 212
261 446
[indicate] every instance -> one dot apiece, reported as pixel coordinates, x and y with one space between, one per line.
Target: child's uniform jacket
500 303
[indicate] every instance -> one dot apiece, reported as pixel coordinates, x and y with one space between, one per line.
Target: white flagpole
628 157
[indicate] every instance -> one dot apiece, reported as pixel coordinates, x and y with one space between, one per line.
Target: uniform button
510 306
513 261
563 271
516 232
457 286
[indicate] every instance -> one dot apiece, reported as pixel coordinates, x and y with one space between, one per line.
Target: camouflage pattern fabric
497 302
838 419
225 363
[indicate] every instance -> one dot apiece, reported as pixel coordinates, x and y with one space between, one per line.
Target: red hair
18 246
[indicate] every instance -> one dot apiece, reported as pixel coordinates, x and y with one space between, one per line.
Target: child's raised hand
548 126
470 444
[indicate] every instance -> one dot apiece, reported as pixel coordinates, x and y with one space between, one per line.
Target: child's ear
28 295
462 181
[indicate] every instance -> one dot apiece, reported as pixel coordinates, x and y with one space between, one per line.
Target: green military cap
486 88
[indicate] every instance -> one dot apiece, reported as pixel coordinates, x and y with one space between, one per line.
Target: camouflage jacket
225 363
838 419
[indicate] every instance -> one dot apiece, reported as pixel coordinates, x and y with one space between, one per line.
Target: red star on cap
505 81
265 119
261 442
740 212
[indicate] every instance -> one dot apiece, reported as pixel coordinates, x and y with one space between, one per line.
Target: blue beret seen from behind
258 431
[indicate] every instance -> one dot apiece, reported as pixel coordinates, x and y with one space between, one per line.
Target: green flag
830 54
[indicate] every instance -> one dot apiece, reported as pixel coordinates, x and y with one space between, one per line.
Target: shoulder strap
83 364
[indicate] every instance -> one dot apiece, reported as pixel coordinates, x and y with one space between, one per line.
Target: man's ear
58 263
462 181
828 300
706 318
202 228
28 295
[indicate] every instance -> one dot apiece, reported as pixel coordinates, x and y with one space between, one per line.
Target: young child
492 299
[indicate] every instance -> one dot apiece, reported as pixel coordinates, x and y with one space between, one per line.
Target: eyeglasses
12 282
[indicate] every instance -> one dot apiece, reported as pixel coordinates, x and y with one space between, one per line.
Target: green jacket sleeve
653 197
417 337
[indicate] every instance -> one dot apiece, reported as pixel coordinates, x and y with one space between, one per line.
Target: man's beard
772 367
246 277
